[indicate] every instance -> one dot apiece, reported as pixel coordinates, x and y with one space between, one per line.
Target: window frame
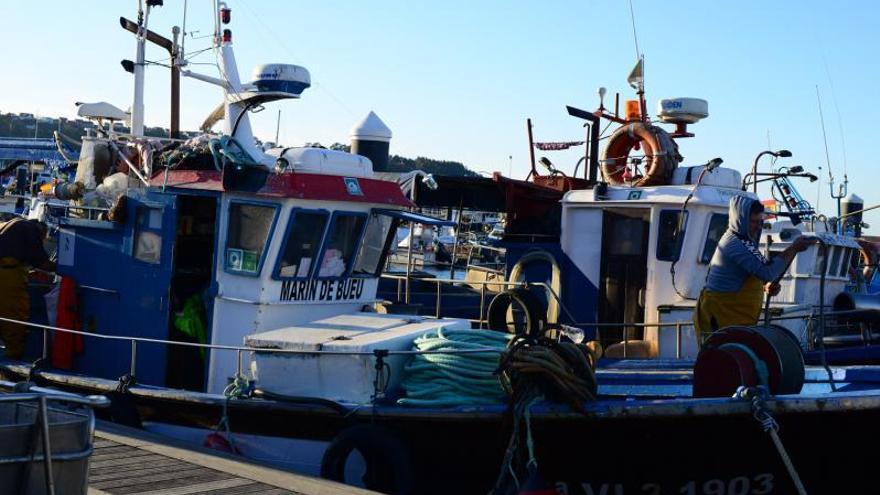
680 244
360 238
138 229
386 246
712 216
276 272
276 208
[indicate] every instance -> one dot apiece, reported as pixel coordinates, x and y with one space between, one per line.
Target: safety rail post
45 343
438 298
133 357
625 341
482 303
678 340
238 363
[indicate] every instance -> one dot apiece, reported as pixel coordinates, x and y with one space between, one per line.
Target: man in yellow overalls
739 274
21 248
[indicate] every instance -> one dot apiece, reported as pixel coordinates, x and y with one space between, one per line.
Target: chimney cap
371 128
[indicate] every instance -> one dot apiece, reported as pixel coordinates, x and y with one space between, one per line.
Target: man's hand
772 288
803 242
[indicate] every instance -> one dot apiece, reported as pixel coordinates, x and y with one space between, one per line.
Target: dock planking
127 461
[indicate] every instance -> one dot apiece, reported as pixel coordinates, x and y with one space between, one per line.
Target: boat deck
128 461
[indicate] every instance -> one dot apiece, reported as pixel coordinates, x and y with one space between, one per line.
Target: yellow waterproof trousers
14 304
716 310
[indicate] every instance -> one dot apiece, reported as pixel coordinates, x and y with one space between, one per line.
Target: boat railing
79 212
679 327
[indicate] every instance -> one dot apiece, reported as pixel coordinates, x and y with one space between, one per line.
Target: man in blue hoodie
739 274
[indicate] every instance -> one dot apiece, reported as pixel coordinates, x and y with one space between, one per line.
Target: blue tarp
36 150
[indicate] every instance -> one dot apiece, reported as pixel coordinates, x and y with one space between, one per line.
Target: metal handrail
42 400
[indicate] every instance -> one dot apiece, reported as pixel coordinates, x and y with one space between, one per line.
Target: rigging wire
837 110
824 136
632 16
296 58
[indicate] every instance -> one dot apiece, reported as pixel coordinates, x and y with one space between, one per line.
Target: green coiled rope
455 379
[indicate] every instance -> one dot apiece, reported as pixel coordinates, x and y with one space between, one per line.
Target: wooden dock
129 461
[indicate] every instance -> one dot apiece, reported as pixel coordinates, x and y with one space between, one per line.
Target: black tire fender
389 465
536 317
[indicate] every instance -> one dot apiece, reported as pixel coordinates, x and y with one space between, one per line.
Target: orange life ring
661 154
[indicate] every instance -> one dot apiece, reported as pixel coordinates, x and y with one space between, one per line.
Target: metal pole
531 147
412 229
45 343
238 362
174 131
455 243
438 299
678 340
482 302
133 358
47 447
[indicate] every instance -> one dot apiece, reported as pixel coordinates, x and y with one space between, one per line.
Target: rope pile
560 371
449 379
531 370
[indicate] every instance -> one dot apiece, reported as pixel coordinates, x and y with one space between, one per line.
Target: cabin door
146 295
623 272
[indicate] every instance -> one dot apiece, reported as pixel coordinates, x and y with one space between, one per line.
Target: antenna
277 127
842 188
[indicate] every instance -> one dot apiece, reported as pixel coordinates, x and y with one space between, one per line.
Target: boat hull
683 446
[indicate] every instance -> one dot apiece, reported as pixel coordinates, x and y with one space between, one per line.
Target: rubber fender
516 273
389 468
536 317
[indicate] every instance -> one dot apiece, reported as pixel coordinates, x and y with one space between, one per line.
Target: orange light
633 110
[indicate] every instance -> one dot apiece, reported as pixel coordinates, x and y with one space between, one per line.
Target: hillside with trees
26 125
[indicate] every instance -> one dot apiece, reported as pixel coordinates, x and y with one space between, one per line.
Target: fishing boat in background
228 296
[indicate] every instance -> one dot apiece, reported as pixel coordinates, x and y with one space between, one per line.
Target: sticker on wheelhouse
353 186
634 195
322 290
241 260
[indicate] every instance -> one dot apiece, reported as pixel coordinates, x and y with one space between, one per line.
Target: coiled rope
445 380
535 369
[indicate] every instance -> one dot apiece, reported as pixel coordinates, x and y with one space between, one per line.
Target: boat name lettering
322 290
760 484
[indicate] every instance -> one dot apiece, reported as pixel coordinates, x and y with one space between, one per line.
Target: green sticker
249 262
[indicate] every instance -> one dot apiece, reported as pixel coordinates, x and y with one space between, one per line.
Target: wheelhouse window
717 227
247 235
371 254
304 234
341 244
670 235
148 235
833 266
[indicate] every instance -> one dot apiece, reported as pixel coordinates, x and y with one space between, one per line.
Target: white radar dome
281 78
682 110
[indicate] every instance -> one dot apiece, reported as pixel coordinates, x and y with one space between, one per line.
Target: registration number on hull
760 484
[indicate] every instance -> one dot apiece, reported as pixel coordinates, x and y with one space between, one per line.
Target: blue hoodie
737 255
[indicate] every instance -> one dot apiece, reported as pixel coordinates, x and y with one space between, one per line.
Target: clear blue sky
457 79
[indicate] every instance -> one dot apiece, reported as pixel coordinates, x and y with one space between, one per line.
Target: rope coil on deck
446 380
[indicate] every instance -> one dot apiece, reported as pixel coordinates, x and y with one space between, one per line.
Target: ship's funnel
371 138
